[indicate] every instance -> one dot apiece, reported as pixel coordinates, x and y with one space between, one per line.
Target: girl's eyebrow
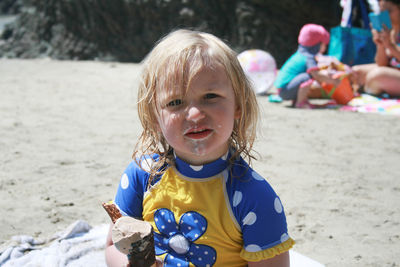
166 97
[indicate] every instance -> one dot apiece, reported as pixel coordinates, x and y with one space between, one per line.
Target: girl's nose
194 113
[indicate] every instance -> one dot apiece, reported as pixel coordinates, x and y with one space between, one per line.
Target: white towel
80 245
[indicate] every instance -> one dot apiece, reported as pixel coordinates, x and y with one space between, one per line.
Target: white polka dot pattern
196 168
237 198
252 248
284 237
124 181
278 205
226 175
257 176
147 163
224 157
250 218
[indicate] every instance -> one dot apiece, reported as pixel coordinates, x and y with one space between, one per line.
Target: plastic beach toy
260 67
343 93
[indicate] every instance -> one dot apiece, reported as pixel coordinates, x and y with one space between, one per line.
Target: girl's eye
175 102
211 95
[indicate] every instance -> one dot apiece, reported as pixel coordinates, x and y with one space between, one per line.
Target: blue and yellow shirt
211 215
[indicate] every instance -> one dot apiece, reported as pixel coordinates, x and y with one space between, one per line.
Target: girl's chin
198 155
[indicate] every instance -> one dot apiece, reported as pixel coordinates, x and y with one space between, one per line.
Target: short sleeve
260 215
129 197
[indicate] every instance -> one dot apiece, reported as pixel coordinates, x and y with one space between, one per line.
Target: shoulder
133 185
253 200
140 167
257 209
295 61
250 184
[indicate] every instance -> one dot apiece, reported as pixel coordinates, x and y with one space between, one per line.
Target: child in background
297 75
190 180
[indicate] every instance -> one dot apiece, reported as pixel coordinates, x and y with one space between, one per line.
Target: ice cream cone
132 237
135 239
112 211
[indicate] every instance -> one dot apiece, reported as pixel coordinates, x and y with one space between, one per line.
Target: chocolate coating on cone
142 252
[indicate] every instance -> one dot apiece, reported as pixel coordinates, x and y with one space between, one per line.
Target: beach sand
68 128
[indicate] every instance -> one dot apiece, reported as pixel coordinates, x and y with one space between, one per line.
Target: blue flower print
178 240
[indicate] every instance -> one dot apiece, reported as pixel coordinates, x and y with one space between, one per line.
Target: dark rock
126 30
10 7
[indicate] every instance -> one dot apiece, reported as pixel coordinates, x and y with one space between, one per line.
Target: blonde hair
171 65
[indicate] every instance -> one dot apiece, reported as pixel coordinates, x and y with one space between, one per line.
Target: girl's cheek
168 119
173 117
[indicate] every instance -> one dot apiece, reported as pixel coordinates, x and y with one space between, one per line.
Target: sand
67 131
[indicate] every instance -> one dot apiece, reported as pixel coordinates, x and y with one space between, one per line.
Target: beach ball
260 68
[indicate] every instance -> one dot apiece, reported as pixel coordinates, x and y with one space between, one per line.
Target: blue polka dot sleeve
129 197
258 211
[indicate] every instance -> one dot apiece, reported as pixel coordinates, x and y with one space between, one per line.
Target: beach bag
353 45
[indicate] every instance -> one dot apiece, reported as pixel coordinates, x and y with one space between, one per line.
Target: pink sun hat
312 34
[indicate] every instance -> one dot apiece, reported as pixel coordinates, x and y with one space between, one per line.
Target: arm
381 58
386 47
268 231
391 45
322 76
113 256
281 260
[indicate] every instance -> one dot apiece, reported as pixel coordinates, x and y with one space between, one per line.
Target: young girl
297 75
189 180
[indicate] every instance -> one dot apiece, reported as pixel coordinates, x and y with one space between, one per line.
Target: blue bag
352 45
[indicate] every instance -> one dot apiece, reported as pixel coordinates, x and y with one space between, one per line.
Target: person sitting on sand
298 73
384 75
189 179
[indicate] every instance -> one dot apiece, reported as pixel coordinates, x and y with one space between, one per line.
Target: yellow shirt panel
207 197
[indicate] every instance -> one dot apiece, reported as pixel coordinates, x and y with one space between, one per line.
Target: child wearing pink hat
296 76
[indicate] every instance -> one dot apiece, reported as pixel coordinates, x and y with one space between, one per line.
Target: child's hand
313 70
322 77
159 263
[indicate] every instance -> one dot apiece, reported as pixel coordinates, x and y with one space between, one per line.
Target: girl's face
393 9
322 48
199 124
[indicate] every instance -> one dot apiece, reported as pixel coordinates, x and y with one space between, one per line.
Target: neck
198 160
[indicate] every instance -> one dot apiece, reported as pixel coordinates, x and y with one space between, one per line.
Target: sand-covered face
199 123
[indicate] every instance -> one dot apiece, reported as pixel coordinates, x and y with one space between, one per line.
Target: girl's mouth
198 133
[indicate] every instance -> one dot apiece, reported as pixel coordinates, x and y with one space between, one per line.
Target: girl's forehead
178 82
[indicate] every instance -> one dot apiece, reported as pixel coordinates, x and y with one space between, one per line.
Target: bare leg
360 73
383 80
302 98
